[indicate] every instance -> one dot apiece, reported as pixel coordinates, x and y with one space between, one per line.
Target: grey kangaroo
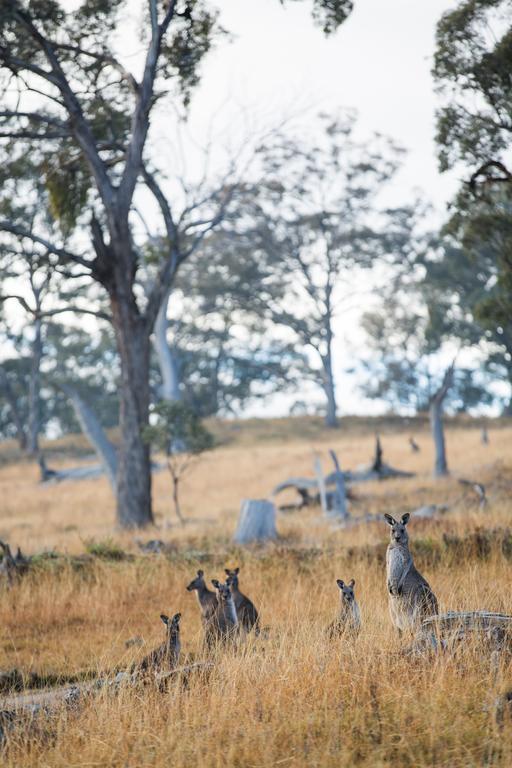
246 612
206 598
410 597
224 622
349 616
166 656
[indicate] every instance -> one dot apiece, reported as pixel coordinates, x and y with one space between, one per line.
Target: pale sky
278 64
378 63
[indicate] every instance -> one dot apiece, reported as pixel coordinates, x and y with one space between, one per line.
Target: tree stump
257 522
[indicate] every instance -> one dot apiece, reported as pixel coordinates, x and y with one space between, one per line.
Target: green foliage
472 68
68 182
194 34
107 549
177 429
330 14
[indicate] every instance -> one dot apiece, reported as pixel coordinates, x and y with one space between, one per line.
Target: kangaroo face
398 531
222 589
197 583
347 591
173 625
232 577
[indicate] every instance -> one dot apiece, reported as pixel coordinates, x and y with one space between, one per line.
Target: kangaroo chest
398 561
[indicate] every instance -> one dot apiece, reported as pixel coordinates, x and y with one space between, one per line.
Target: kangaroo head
197 583
232 577
347 590
222 589
173 625
398 530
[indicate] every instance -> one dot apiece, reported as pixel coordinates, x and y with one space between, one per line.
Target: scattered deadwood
450 631
310 490
49 475
24 708
478 489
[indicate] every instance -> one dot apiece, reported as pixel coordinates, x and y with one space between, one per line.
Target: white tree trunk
436 423
339 508
95 433
166 358
257 521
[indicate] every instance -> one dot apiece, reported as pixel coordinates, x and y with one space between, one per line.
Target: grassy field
290 698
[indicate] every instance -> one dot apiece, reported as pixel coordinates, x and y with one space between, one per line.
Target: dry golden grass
291 698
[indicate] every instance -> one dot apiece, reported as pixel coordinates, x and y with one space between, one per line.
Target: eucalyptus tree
323 228
73 106
472 66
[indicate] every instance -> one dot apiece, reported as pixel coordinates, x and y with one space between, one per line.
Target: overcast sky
278 64
378 63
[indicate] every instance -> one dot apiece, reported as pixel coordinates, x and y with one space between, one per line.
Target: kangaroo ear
200 574
237 571
352 583
164 618
389 519
340 583
176 619
405 518
216 583
227 571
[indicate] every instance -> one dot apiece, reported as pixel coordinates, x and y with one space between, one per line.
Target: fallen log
448 631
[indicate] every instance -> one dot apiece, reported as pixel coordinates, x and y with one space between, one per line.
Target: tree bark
134 468
331 418
34 398
166 358
257 522
436 423
95 433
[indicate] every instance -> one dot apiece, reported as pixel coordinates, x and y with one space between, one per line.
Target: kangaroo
349 617
246 612
206 598
410 597
167 654
224 622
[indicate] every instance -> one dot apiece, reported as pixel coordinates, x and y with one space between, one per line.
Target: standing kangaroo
246 612
206 598
410 597
349 617
167 654
224 622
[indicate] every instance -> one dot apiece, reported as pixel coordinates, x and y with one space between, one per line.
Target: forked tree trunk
134 469
166 358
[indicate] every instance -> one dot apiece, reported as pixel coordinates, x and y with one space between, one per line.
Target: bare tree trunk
176 498
436 423
134 468
331 418
166 358
34 391
340 508
95 433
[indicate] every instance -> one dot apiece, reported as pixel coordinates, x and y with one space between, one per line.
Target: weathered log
257 522
448 630
338 507
478 489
